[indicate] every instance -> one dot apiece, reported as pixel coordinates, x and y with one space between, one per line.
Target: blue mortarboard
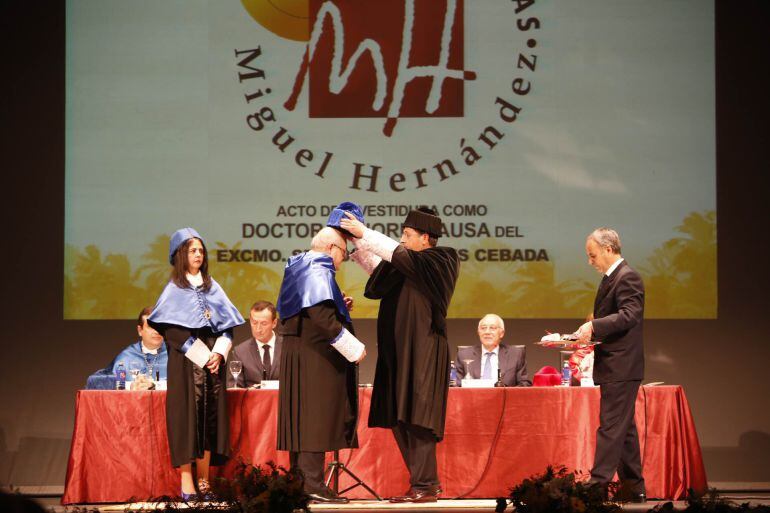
339 213
179 238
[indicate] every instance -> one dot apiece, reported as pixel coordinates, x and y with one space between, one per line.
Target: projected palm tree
517 289
537 292
681 274
156 268
481 284
102 287
245 282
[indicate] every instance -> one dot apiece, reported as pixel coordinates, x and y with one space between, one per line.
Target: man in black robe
318 395
414 281
619 362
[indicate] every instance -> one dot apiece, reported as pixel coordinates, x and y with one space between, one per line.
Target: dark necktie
266 359
600 292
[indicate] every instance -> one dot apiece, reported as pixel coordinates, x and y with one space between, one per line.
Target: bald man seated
484 358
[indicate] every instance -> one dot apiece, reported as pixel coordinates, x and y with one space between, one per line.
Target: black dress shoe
328 497
639 498
430 494
405 497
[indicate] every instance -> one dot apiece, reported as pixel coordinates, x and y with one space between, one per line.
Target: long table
494 439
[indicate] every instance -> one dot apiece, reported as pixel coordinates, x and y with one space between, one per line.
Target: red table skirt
494 439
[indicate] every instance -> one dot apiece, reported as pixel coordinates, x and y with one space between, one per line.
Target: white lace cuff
222 346
377 243
366 259
348 345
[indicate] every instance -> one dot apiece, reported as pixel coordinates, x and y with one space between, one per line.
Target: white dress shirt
147 350
614 266
261 348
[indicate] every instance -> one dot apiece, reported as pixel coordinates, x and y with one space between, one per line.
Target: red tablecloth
494 439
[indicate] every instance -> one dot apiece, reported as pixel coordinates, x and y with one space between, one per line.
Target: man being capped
318 395
415 281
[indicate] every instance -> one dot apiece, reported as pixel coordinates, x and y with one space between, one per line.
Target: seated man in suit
492 354
260 353
149 354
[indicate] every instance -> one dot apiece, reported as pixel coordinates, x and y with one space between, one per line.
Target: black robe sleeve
383 280
325 320
434 271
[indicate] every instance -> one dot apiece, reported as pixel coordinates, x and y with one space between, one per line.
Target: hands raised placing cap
353 225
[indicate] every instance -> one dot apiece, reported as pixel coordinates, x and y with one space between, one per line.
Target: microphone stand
336 466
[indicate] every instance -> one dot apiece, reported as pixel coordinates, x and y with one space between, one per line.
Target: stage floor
371 506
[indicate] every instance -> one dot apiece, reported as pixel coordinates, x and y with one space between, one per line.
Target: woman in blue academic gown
193 307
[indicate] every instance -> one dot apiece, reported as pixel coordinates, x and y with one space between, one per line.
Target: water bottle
120 376
452 374
566 375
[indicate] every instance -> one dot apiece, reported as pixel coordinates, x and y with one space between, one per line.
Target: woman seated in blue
193 312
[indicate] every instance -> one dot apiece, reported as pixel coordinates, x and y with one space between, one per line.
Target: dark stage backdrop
722 363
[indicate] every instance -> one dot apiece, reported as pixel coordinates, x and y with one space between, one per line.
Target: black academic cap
425 221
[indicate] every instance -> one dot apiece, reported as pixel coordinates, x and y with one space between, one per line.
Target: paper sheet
198 353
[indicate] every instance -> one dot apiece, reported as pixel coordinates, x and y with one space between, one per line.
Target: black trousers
617 441
312 466
418 448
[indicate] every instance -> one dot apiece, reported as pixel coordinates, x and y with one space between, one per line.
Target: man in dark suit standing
261 353
490 355
619 361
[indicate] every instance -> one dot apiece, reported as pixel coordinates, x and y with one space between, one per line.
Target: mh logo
383 58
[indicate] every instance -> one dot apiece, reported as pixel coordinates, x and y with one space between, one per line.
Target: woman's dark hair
179 271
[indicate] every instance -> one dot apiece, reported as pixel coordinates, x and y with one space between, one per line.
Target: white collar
195 281
270 342
147 350
614 266
484 351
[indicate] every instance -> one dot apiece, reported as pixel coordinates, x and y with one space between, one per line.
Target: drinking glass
235 369
134 368
468 368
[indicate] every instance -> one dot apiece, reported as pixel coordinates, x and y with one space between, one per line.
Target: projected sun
284 18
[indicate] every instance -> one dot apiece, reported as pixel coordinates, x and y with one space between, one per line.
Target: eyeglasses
344 250
488 328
